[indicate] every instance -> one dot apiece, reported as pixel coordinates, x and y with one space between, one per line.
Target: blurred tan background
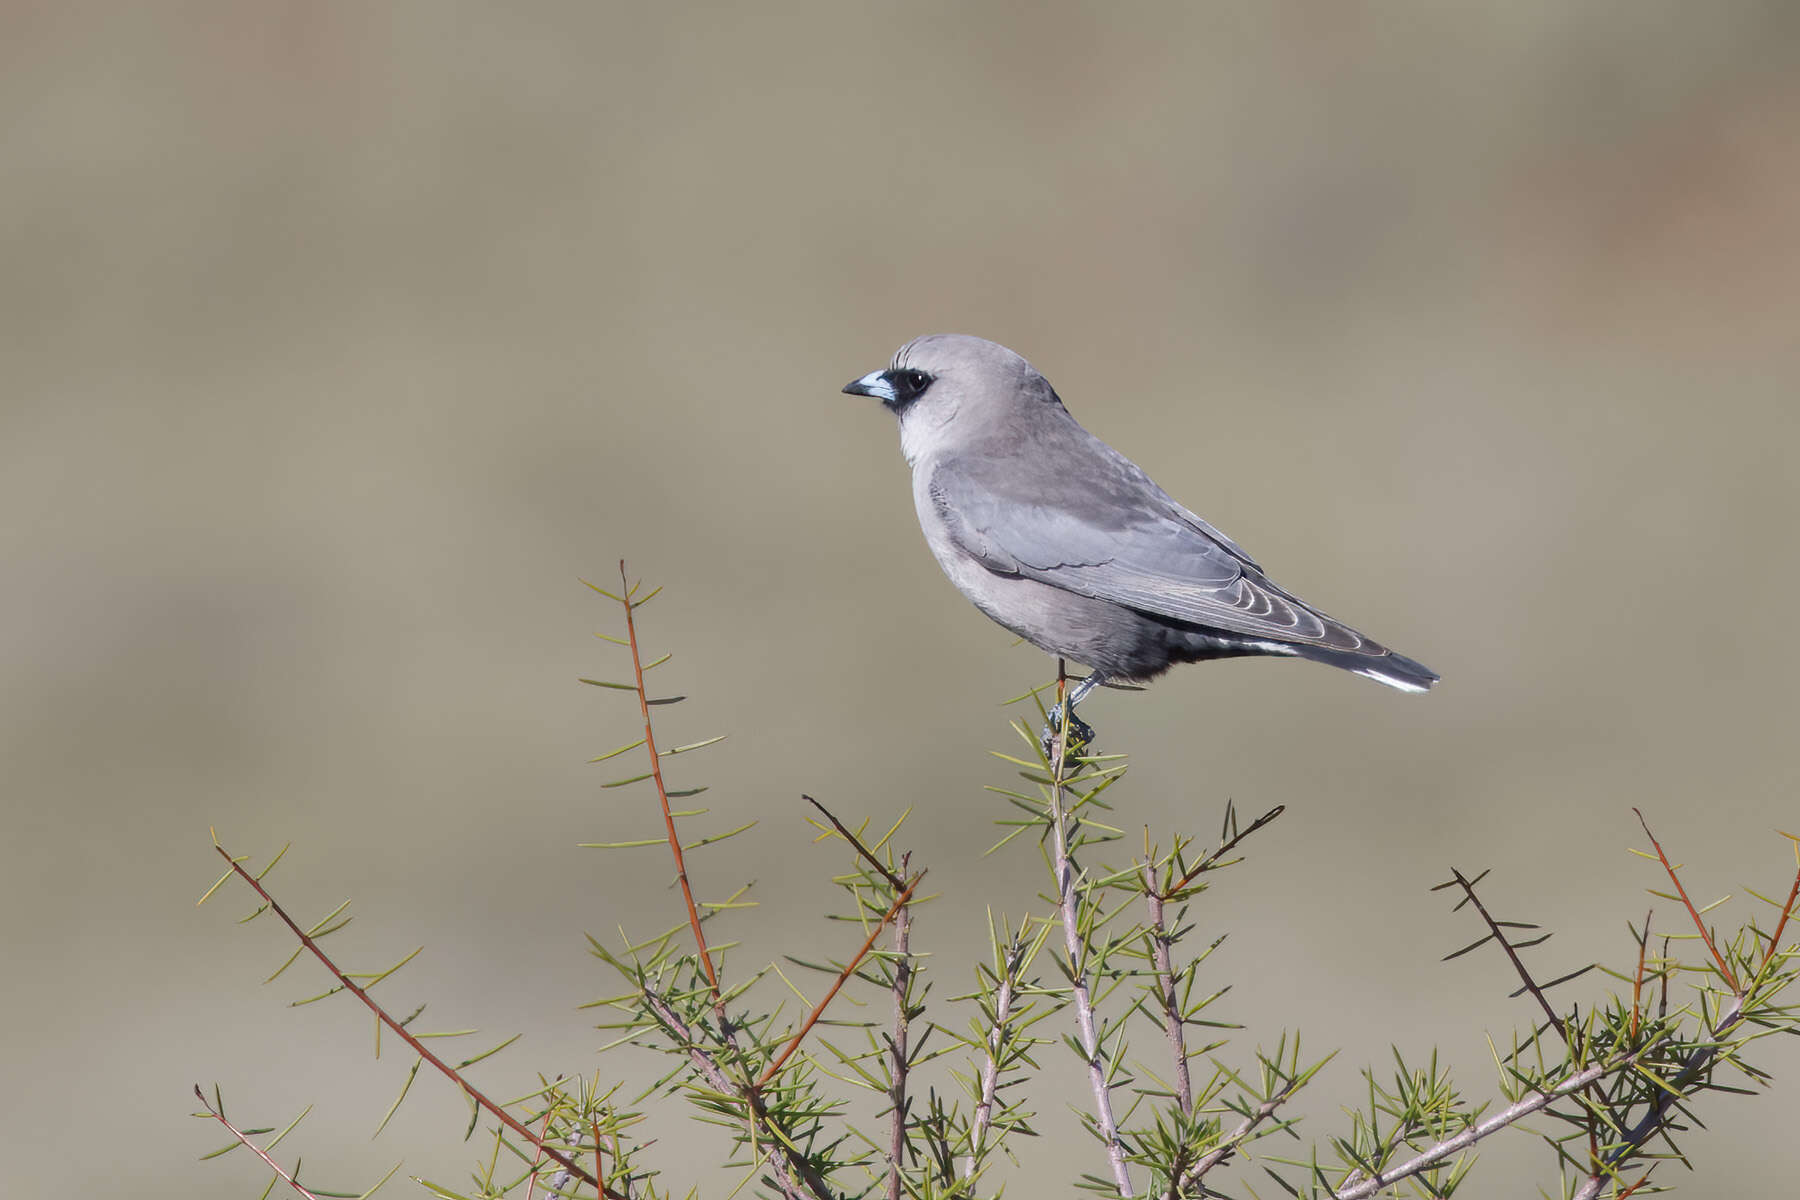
341 339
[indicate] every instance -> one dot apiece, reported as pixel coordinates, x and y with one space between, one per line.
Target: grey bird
1066 542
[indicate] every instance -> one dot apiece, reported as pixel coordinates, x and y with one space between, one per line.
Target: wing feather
1114 535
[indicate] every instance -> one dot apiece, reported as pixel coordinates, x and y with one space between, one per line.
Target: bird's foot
1081 737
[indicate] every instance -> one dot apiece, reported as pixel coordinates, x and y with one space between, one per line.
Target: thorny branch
218 1114
996 1047
898 1047
662 791
1075 945
492 1108
1497 933
719 1074
783 1161
1162 959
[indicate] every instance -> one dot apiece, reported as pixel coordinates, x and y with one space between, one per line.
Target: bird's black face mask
896 387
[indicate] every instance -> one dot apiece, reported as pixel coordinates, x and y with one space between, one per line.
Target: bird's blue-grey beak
876 384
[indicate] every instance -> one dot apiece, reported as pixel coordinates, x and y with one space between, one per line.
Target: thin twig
1637 980
244 1140
418 1047
662 793
1161 945
1725 972
1787 910
544 1138
1213 856
1499 935
812 1018
1072 940
996 1045
1163 962
880 868
902 981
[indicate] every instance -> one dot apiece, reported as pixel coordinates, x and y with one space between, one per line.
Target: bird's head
947 386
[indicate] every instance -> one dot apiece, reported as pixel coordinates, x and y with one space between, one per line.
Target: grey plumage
1064 541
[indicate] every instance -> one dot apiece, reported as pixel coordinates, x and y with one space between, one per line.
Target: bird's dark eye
913 382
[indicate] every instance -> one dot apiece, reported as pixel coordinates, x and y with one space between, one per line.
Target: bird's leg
1081 734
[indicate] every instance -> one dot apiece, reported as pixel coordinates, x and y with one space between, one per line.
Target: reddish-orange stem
268 1160
1725 972
543 1137
1787 910
849 969
418 1047
662 792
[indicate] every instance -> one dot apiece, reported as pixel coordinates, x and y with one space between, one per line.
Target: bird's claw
1081 737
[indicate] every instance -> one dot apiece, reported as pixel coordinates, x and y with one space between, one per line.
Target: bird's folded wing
1101 540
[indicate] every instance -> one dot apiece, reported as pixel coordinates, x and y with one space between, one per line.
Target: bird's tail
1375 661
